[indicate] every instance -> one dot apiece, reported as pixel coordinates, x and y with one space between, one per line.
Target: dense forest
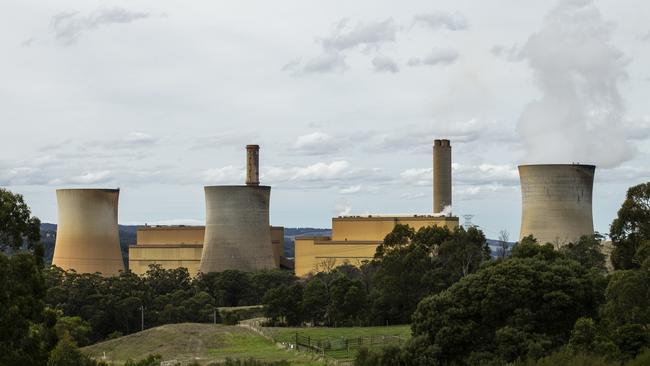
533 305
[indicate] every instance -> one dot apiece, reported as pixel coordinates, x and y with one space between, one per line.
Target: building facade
354 240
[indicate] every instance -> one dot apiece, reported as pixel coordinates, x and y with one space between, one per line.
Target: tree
503 248
66 353
630 231
413 264
75 327
508 310
588 251
22 289
17 226
315 298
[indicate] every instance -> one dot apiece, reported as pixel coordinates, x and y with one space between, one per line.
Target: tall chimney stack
252 165
441 175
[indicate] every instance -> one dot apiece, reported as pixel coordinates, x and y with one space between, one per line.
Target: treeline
113 306
543 306
408 266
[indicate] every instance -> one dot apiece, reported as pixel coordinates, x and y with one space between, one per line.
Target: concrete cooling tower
87 237
441 175
556 202
237 231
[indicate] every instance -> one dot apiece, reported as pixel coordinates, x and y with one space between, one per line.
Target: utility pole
142 316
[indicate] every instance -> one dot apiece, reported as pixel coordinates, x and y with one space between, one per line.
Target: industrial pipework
237 231
252 165
441 175
556 202
87 236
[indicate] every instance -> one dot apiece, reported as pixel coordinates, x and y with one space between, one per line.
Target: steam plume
579 115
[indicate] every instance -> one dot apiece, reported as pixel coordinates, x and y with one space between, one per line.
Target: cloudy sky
345 98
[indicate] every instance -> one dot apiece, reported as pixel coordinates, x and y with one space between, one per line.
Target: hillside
204 343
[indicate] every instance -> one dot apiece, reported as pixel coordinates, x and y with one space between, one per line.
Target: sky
159 98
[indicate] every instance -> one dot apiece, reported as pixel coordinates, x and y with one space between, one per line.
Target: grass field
322 333
342 343
204 343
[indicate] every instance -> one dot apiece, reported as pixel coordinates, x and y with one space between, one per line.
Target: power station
87 237
556 208
556 202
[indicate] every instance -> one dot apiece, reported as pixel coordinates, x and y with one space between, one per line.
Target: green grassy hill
204 343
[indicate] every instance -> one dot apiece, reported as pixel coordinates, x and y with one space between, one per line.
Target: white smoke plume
446 211
579 117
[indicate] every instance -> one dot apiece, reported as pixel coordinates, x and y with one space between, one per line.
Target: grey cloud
344 38
437 56
440 19
510 54
384 64
332 62
67 27
371 34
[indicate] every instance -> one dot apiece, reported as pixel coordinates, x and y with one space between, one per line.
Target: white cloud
86 178
318 171
385 64
437 56
316 143
351 189
67 27
417 177
228 174
139 138
440 19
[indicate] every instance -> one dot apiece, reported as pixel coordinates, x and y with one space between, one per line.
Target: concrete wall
87 237
441 175
556 202
237 232
354 240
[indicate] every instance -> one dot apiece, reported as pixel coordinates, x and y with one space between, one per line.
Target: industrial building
355 239
556 202
174 247
87 236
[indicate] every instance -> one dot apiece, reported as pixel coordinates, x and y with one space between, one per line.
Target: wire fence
339 351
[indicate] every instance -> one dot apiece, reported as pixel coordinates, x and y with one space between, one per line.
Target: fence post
297 341
309 341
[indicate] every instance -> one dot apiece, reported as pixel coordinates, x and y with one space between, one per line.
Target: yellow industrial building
354 239
181 246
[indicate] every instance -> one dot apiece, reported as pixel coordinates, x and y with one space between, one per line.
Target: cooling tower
87 237
237 231
441 175
556 202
